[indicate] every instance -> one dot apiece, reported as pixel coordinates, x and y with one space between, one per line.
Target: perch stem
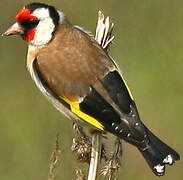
95 155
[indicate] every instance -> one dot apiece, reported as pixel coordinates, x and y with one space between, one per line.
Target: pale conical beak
15 29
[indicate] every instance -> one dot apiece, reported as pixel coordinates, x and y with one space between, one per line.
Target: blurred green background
148 46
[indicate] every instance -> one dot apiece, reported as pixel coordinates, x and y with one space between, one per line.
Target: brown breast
72 62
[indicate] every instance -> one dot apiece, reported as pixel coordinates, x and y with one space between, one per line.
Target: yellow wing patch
76 110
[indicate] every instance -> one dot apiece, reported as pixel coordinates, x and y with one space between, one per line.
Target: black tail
158 154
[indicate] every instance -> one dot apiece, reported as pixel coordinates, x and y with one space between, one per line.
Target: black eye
30 24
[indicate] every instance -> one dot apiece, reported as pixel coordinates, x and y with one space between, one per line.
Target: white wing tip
160 169
168 160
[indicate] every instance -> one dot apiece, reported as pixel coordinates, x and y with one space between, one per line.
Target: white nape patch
159 168
168 160
61 16
44 29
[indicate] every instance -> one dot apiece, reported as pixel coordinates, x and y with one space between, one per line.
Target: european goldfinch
82 81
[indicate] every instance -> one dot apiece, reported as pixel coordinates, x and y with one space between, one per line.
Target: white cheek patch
45 28
43 33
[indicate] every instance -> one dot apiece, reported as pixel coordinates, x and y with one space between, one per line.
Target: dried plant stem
104 37
54 160
80 175
95 156
84 149
104 29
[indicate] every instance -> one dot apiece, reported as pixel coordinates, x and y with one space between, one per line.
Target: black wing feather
128 126
117 90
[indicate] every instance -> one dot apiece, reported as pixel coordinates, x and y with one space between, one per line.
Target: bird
82 81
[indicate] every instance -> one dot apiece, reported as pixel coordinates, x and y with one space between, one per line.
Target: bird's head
36 23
